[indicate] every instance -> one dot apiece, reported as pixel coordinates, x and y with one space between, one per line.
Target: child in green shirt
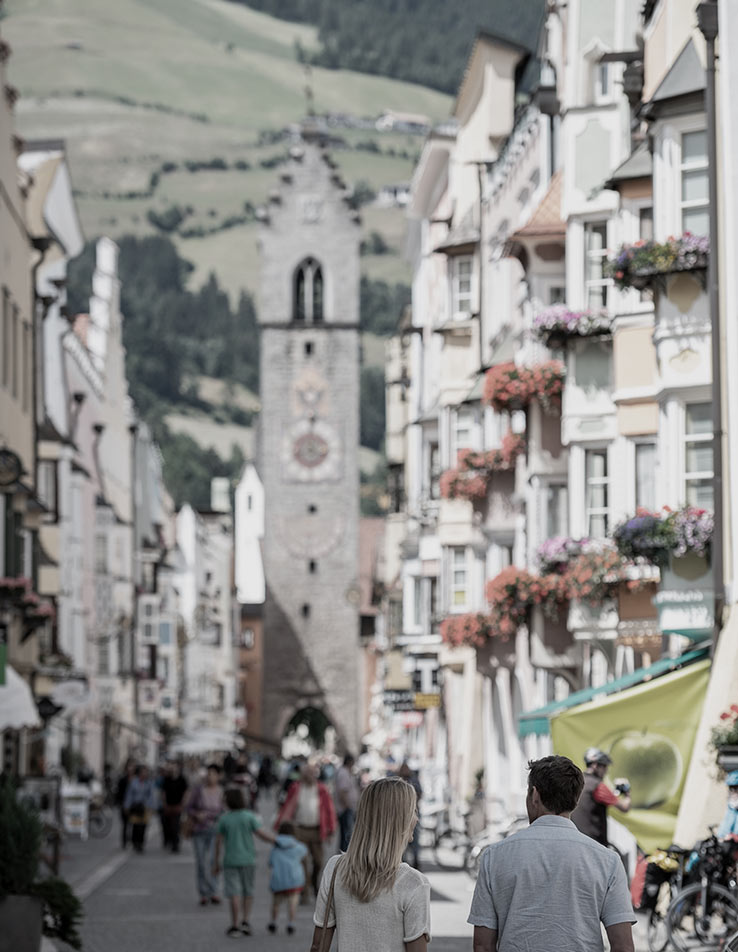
236 830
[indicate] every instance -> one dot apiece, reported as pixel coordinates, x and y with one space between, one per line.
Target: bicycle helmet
593 755
732 779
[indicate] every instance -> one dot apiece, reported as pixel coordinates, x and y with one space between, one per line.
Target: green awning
537 721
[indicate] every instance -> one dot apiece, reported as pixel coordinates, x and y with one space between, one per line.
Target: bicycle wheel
450 849
100 823
694 924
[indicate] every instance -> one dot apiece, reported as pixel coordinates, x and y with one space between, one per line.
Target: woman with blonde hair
368 897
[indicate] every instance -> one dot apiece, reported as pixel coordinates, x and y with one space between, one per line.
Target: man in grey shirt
548 887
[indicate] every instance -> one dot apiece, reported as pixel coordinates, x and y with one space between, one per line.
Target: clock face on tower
311 452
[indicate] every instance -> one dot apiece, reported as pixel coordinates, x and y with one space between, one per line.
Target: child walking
236 830
288 875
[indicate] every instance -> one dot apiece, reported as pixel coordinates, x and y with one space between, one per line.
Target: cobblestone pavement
148 903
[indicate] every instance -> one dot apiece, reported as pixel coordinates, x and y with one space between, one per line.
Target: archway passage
309 732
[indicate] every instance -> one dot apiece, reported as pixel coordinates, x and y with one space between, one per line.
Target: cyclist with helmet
590 815
729 825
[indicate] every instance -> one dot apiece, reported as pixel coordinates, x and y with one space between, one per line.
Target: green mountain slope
134 85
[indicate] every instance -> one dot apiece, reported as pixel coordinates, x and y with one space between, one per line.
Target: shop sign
422 702
400 700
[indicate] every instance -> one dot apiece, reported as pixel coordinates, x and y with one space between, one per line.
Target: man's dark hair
559 782
348 760
286 828
234 799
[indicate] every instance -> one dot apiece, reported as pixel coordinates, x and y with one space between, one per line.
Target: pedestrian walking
368 897
549 886
288 875
347 797
590 815
236 830
140 802
310 807
204 808
173 792
125 778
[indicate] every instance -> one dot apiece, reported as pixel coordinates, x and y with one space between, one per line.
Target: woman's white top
394 917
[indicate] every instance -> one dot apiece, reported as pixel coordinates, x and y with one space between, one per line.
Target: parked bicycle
703 914
100 817
449 842
664 879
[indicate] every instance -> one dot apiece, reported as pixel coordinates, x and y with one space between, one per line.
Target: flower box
644 264
556 324
471 477
508 387
654 537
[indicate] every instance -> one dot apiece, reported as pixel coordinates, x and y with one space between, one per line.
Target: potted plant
724 739
29 905
470 478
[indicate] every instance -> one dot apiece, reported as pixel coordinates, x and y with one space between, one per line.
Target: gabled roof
483 43
463 236
638 165
686 76
546 221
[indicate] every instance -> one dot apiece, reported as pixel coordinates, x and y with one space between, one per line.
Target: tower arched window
307 305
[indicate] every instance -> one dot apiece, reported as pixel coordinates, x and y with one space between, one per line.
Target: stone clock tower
308 449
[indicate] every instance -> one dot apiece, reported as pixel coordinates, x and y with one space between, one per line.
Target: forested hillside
420 41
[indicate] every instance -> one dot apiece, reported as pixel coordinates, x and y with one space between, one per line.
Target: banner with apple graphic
649 731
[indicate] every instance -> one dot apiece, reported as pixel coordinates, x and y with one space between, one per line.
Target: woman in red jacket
309 806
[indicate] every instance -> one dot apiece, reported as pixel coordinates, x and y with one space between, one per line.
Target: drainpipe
481 171
707 20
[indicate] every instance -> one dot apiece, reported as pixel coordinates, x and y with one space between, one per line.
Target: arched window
308 292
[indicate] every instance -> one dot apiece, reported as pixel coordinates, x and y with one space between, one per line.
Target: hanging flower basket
470 479
644 263
509 387
556 324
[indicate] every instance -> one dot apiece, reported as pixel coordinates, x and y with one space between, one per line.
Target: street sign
424 701
399 700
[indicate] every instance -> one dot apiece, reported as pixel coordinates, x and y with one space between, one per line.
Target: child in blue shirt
288 875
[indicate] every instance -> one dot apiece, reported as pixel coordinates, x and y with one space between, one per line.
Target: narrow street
139 903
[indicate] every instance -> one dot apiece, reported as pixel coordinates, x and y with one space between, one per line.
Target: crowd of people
215 806
366 895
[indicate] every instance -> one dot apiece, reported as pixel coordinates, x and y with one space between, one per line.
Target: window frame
650 441
308 292
691 167
604 283
459 313
461 553
597 511
695 439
